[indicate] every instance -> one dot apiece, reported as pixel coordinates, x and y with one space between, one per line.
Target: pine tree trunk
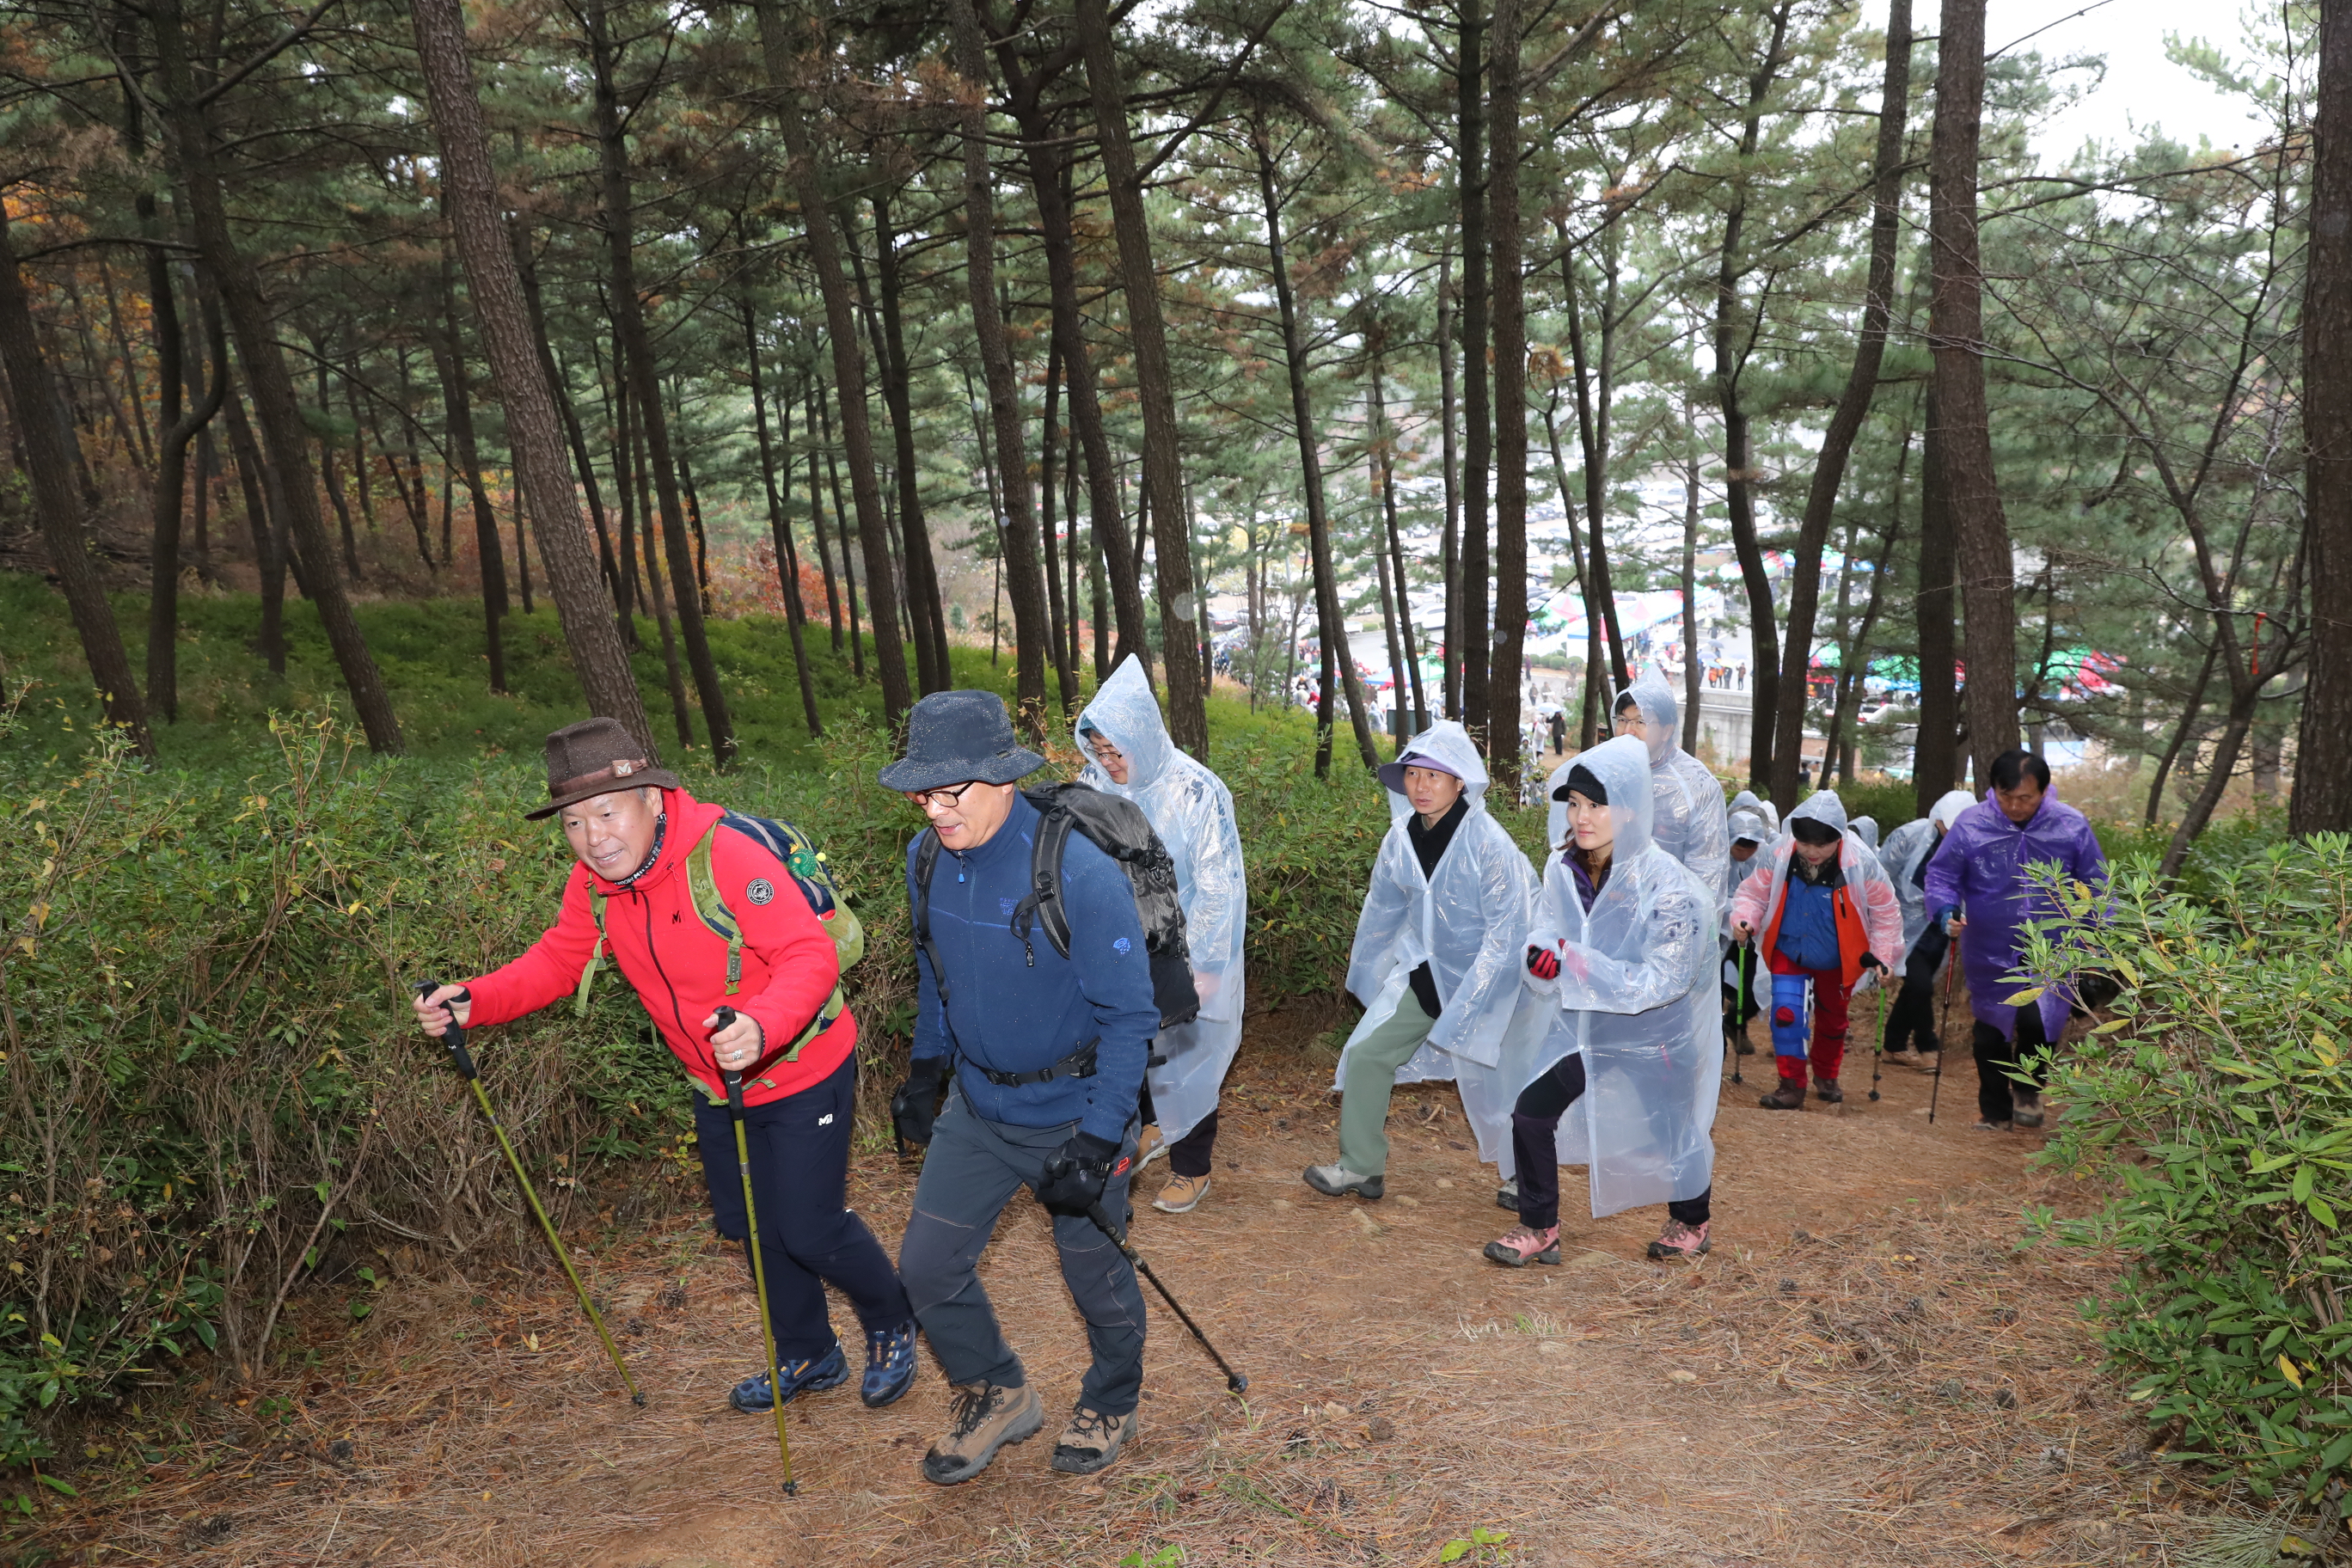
1935 747
269 561
1163 484
1510 408
841 523
1447 402
449 362
1327 613
179 428
1478 416
1956 332
1853 402
924 611
2322 797
1384 437
849 364
65 520
654 594
251 318
1057 638
816 523
780 527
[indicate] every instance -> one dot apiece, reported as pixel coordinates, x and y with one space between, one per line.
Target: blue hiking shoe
889 1364
831 1369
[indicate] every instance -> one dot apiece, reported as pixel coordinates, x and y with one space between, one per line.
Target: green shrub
2219 1103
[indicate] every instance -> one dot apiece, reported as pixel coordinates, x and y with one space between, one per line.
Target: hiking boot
1789 1096
1506 1196
889 1364
1149 1145
1523 1244
1337 1181
987 1417
1992 1126
1826 1088
1679 1240
2029 1106
1183 1194
1092 1441
814 1375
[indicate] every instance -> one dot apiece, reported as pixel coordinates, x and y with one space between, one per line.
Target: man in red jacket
633 826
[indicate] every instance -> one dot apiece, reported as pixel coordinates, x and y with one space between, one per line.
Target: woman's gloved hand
1543 962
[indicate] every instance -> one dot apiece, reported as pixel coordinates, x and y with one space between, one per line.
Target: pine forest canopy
1210 332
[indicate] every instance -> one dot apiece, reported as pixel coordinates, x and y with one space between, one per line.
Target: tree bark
1163 483
780 527
849 364
268 560
276 407
1934 749
634 435
1507 236
1449 548
1061 614
1764 647
2321 801
448 360
1384 445
634 351
1328 617
841 524
816 522
1853 402
926 614
1478 646
65 520
1017 531
179 429
1956 332
1690 595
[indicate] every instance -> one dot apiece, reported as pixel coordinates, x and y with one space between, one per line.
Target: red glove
1543 963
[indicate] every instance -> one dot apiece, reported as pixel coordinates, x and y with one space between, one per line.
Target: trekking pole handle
734 1081
454 1036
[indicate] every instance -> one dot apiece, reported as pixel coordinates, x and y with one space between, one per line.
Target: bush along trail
275 1293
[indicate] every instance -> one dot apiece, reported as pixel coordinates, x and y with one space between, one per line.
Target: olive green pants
1371 1077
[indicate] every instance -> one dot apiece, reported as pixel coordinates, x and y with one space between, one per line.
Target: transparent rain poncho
1193 812
1905 851
1691 824
1634 996
1749 825
1873 889
1866 829
1745 800
1468 923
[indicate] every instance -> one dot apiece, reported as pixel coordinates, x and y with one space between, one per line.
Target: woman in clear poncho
1691 823
1910 1038
1437 947
1615 1059
1130 753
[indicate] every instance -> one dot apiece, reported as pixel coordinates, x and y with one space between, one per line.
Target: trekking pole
454 1038
725 1016
1951 969
1878 1035
1736 1024
1233 1381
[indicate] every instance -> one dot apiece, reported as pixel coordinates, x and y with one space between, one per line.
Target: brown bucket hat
593 757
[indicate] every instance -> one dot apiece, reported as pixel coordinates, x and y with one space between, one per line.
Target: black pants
1188 1155
1997 1058
1911 1018
1535 1148
808 1233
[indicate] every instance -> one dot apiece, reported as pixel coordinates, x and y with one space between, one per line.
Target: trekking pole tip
792 1488
638 1400
1237 1384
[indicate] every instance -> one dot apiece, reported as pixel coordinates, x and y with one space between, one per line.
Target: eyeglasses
941 799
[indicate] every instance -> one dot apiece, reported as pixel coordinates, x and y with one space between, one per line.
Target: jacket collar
1008 843
687 820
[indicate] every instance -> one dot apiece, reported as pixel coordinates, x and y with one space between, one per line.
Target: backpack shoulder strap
927 859
595 954
702 885
1045 900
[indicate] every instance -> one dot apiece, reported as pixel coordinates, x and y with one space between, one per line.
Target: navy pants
809 1235
972 1170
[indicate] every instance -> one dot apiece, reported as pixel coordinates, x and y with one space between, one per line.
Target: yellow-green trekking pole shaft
725 1016
454 1038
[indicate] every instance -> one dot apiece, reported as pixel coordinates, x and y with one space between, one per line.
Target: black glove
916 1106
1077 1173
1870 961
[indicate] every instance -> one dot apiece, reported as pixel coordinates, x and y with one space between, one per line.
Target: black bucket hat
955 736
593 757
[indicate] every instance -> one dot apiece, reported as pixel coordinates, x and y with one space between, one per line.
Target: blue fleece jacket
1808 935
1007 1014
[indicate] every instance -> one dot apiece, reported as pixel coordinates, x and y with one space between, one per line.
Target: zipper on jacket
654 953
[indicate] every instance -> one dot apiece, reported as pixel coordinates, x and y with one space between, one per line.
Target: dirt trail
1865 1371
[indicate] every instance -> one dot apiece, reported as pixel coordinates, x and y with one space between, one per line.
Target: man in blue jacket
1043 1057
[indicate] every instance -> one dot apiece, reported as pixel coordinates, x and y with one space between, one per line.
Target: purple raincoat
1980 868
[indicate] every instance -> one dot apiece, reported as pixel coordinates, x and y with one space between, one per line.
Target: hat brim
652 778
908 777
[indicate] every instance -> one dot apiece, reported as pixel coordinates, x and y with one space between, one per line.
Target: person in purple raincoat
1980 888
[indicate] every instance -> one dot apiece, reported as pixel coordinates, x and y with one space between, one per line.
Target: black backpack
1117 827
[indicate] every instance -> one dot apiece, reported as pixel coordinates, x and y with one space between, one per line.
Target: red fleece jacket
679 965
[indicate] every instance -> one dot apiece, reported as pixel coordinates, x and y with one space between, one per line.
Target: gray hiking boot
1506 1196
988 1415
2028 1102
1091 1441
1337 1181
